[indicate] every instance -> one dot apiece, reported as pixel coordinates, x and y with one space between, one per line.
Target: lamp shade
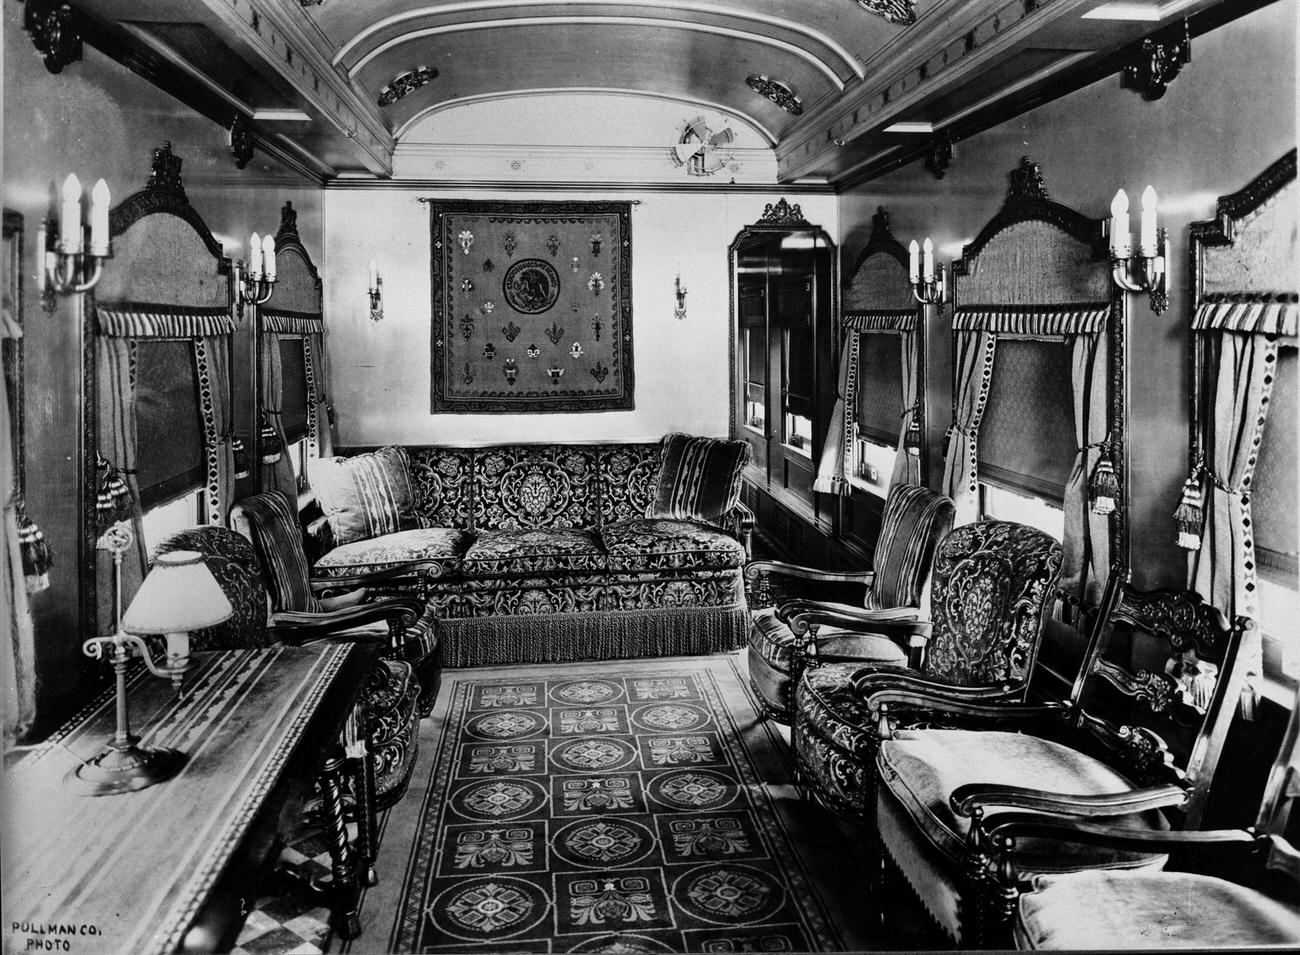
180 594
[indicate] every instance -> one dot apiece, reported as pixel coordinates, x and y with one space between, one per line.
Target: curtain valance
1239 314
163 321
285 322
881 320
1076 319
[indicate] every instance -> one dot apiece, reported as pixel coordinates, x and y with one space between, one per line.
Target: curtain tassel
242 465
36 556
1189 516
113 500
270 442
1104 487
912 439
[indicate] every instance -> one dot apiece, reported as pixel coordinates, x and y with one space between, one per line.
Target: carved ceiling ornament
1157 60
895 11
52 26
783 213
778 92
165 170
241 141
404 84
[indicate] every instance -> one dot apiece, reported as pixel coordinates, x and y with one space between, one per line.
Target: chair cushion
366 495
444 544
1118 910
552 550
656 544
699 479
921 768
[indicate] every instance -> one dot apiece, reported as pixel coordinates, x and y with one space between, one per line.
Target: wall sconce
1148 270
680 291
73 264
929 285
376 292
254 284
124 765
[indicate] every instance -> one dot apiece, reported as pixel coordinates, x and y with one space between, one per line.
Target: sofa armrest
741 523
320 536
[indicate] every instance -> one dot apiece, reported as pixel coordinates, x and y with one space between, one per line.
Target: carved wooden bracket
241 141
1157 60
938 156
54 31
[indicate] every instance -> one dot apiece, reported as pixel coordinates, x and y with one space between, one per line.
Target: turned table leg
345 890
367 827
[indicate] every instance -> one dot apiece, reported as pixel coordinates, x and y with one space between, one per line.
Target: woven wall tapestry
532 306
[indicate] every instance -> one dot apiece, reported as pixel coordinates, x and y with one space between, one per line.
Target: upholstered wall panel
162 260
1256 261
879 283
1033 262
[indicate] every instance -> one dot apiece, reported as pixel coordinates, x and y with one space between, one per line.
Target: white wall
381 372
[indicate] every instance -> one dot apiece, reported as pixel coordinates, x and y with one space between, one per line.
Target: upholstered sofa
544 553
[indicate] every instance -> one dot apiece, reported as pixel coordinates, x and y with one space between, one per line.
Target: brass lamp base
125 768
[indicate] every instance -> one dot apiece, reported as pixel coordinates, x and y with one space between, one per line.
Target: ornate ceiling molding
767 135
779 93
686 14
895 11
614 21
404 84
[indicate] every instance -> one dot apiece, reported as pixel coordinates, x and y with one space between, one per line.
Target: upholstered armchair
1110 909
388 710
1134 746
271 525
915 518
991 586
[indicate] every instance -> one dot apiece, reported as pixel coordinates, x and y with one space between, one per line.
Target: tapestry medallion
546 338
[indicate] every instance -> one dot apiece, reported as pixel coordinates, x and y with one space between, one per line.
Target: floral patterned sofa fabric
530 487
446 544
515 552
546 554
660 544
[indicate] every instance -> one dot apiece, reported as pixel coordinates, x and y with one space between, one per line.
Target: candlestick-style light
679 290
376 292
66 265
178 596
929 285
1148 271
255 282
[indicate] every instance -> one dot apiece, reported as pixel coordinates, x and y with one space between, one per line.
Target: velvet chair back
267 520
992 582
915 520
235 566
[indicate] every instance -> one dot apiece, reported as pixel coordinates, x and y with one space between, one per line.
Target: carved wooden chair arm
294 626
756 567
867 682
1003 828
966 800
899 623
1029 715
798 605
423 568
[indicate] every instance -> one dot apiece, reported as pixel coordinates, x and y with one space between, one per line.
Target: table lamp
179 595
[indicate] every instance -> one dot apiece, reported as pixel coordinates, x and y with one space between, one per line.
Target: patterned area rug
622 806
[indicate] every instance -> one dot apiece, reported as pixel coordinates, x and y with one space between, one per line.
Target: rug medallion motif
618 814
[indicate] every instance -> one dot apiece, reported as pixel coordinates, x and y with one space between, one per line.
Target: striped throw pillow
699 479
366 495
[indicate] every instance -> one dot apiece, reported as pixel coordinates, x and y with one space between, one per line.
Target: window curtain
17 642
1223 570
278 475
974 370
907 462
212 361
277 471
1085 559
115 442
320 415
833 469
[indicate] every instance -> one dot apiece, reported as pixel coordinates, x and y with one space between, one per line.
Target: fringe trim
613 635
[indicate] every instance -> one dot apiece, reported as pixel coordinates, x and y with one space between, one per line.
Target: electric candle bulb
70 219
99 201
1120 244
268 258
255 257
374 275
927 262
913 262
1147 226
41 256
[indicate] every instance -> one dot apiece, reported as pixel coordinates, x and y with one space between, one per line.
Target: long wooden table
173 866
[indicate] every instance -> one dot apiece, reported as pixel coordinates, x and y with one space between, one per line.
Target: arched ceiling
333 82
